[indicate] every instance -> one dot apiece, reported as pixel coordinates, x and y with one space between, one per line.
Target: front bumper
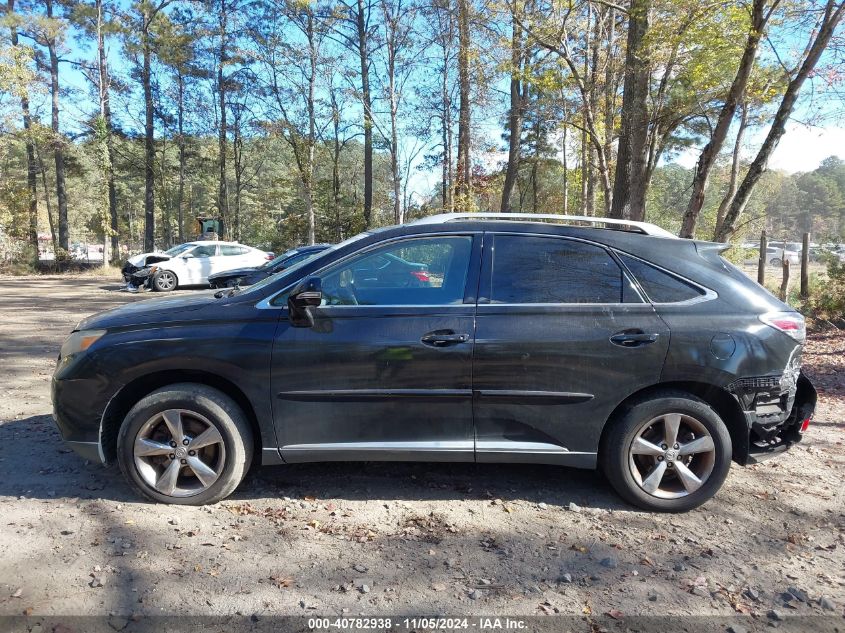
772 437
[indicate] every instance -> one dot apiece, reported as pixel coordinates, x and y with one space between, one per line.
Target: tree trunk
312 131
58 141
759 17
105 112
516 114
149 132
735 159
222 189
463 189
43 169
363 54
832 17
446 133
180 193
31 164
629 186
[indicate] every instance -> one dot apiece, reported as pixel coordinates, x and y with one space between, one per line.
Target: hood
233 273
159 310
141 260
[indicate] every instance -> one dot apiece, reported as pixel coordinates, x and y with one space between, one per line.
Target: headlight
80 341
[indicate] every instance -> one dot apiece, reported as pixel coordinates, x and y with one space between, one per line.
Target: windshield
178 250
293 270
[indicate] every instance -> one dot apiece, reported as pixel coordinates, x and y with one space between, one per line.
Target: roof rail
646 228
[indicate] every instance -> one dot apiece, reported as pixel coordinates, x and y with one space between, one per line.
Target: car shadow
41 466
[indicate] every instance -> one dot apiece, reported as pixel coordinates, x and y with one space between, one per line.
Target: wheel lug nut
185 442
172 444
664 446
192 453
677 446
660 458
172 456
184 461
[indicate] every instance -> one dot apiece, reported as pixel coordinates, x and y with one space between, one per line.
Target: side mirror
307 295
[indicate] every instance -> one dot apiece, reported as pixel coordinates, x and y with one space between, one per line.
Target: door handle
633 338
443 338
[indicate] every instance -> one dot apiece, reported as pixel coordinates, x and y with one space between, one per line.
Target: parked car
253 274
532 340
190 264
775 256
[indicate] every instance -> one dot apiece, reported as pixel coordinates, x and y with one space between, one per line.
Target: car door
385 373
562 337
197 265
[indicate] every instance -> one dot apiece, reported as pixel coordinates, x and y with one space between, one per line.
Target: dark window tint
549 270
207 250
659 286
424 271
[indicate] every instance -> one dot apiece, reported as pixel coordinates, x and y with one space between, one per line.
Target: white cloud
801 148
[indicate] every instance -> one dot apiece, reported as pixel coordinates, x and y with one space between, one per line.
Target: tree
631 176
519 95
463 187
146 12
822 34
31 164
761 12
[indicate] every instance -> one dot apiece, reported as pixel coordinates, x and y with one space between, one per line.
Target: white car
775 256
191 263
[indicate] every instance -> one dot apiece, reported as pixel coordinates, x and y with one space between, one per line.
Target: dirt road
398 538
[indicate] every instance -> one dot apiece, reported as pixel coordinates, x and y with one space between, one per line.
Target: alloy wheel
166 280
671 456
179 453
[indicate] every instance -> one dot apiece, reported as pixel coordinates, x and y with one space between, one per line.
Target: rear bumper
769 440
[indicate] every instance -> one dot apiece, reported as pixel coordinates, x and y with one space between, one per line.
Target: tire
774 261
203 476
165 281
629 467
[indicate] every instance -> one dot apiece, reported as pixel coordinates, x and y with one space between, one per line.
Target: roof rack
646 228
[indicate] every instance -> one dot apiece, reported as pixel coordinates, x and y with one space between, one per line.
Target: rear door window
660 286
531 269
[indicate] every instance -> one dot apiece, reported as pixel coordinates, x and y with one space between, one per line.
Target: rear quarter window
660 286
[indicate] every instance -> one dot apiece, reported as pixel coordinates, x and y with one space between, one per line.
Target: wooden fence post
805 266
761 264
784 284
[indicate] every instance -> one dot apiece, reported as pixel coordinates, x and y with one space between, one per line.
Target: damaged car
189 264
489 338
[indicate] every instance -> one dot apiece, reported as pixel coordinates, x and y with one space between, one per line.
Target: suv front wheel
670 452
187 444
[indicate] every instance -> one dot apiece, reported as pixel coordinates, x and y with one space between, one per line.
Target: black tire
775 261
615 459
165 281
218 409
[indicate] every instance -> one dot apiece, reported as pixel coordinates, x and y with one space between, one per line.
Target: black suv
582 342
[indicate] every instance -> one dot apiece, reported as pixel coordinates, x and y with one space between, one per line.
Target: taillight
270 256
422 275
790 323
805 424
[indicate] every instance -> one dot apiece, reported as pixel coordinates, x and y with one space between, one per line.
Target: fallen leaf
616 614
282 582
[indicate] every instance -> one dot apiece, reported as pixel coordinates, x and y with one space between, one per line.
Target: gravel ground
349 539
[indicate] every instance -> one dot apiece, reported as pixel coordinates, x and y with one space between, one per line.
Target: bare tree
822 34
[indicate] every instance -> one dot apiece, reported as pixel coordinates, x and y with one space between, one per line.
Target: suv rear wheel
185 444
670 452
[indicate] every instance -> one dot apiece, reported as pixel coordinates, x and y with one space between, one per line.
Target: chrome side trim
357 395
432 446
534 448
